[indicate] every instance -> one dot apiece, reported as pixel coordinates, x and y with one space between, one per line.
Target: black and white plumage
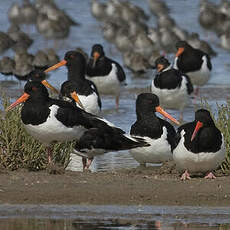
106 73
158 133
171 86
85 89
49 120
200 146
194 62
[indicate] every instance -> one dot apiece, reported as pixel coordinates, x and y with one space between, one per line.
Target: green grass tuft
19 150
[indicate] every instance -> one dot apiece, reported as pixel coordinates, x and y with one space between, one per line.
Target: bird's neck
75 73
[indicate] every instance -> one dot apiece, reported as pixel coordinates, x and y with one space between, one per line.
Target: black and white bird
50 120
171 86
85 89
200 146
158 133
193 62
106 73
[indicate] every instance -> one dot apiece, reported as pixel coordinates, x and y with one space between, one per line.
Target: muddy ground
140 186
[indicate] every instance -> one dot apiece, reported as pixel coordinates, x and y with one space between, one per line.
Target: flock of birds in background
197 146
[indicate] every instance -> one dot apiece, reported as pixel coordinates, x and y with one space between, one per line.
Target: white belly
108 84
172 98
54 130
197 162
158 151
90 103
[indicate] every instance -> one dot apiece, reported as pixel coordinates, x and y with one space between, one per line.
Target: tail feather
96 139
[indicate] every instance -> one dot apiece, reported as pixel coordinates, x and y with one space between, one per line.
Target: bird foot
210 176
185 176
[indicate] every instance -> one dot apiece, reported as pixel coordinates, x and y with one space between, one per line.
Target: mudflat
139 186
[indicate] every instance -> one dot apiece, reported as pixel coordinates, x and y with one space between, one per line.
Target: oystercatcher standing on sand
50 120
158 133
200 147
171 86
85 89
193 62
107 74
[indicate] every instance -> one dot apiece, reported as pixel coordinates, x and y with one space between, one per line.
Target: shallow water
216 91
112 217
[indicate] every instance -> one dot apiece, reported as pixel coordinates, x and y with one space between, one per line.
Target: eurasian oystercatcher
200 146
49 120
85 89
171 86
107 74
158 133
193 62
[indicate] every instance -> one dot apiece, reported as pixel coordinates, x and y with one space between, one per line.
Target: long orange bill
47 84
96 55
59 64
20 100
165 114
198 126
179 51
159 67
76 98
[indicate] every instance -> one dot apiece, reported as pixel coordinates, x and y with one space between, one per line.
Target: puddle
83 217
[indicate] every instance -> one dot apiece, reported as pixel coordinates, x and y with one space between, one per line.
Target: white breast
158 151
108 84
197 162
177 98
53 130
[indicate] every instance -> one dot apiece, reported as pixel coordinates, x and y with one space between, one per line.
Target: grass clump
19 150
222 121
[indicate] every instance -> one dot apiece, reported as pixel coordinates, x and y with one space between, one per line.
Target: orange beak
198 126
159 67
76 98
20 100
47 84
96 55
179 51
165 114
59 64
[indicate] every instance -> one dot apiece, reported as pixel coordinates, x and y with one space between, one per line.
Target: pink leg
117 101
84 161
49 153
185 176
89 162
210 176
196 94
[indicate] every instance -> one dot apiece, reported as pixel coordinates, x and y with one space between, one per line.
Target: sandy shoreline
124 187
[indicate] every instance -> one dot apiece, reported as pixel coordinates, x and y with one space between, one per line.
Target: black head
146 102
161 63
75 59
204 116
37 75
97 48
36 89
182 44
67 88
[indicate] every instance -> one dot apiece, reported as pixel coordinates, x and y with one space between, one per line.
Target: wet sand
140 186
